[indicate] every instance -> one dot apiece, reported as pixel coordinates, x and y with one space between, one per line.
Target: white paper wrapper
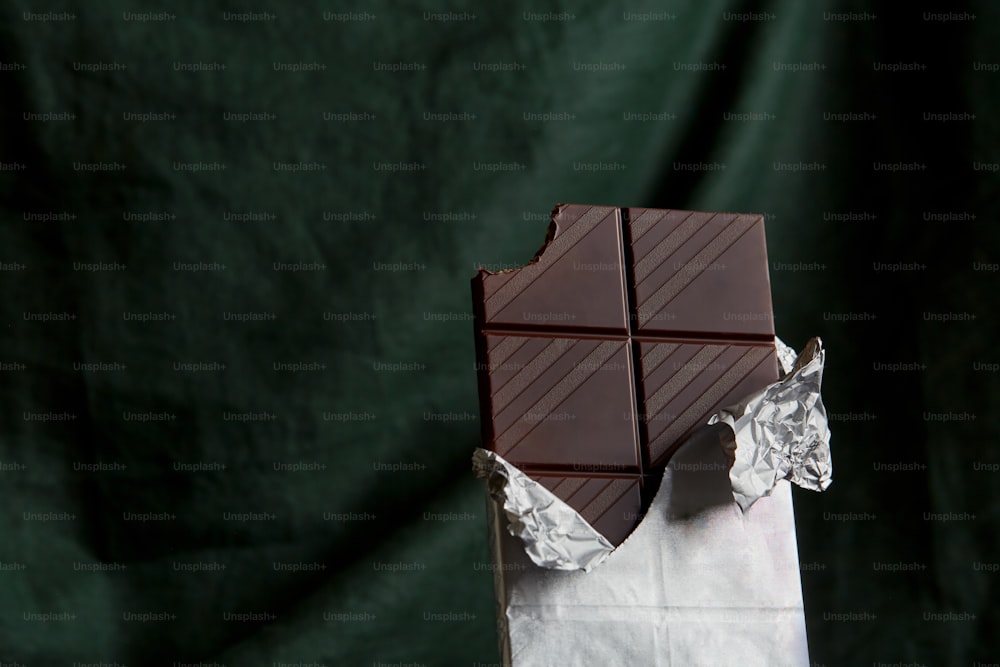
699 582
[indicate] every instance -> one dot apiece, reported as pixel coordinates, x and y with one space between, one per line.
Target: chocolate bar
624 333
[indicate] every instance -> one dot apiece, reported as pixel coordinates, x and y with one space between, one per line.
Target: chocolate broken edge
479 322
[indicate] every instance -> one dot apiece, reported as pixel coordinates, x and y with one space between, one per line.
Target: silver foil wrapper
786 354
781 432
555 536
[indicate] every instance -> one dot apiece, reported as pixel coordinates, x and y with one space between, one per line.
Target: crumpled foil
786 354
555 536
781 431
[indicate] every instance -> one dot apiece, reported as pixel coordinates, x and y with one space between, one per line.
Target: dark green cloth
454 161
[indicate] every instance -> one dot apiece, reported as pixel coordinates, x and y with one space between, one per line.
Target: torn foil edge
555 536
782 431
786 354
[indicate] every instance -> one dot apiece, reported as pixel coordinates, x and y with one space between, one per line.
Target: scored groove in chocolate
562 390
682 377
552 352
668 246
624 333
527 409
656 355
690 258
692 269
637 384
718 391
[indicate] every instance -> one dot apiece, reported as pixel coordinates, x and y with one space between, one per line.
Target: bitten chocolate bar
627 330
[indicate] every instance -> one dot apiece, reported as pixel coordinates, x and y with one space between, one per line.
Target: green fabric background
355 520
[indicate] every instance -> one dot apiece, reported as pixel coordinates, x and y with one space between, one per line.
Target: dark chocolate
626 331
